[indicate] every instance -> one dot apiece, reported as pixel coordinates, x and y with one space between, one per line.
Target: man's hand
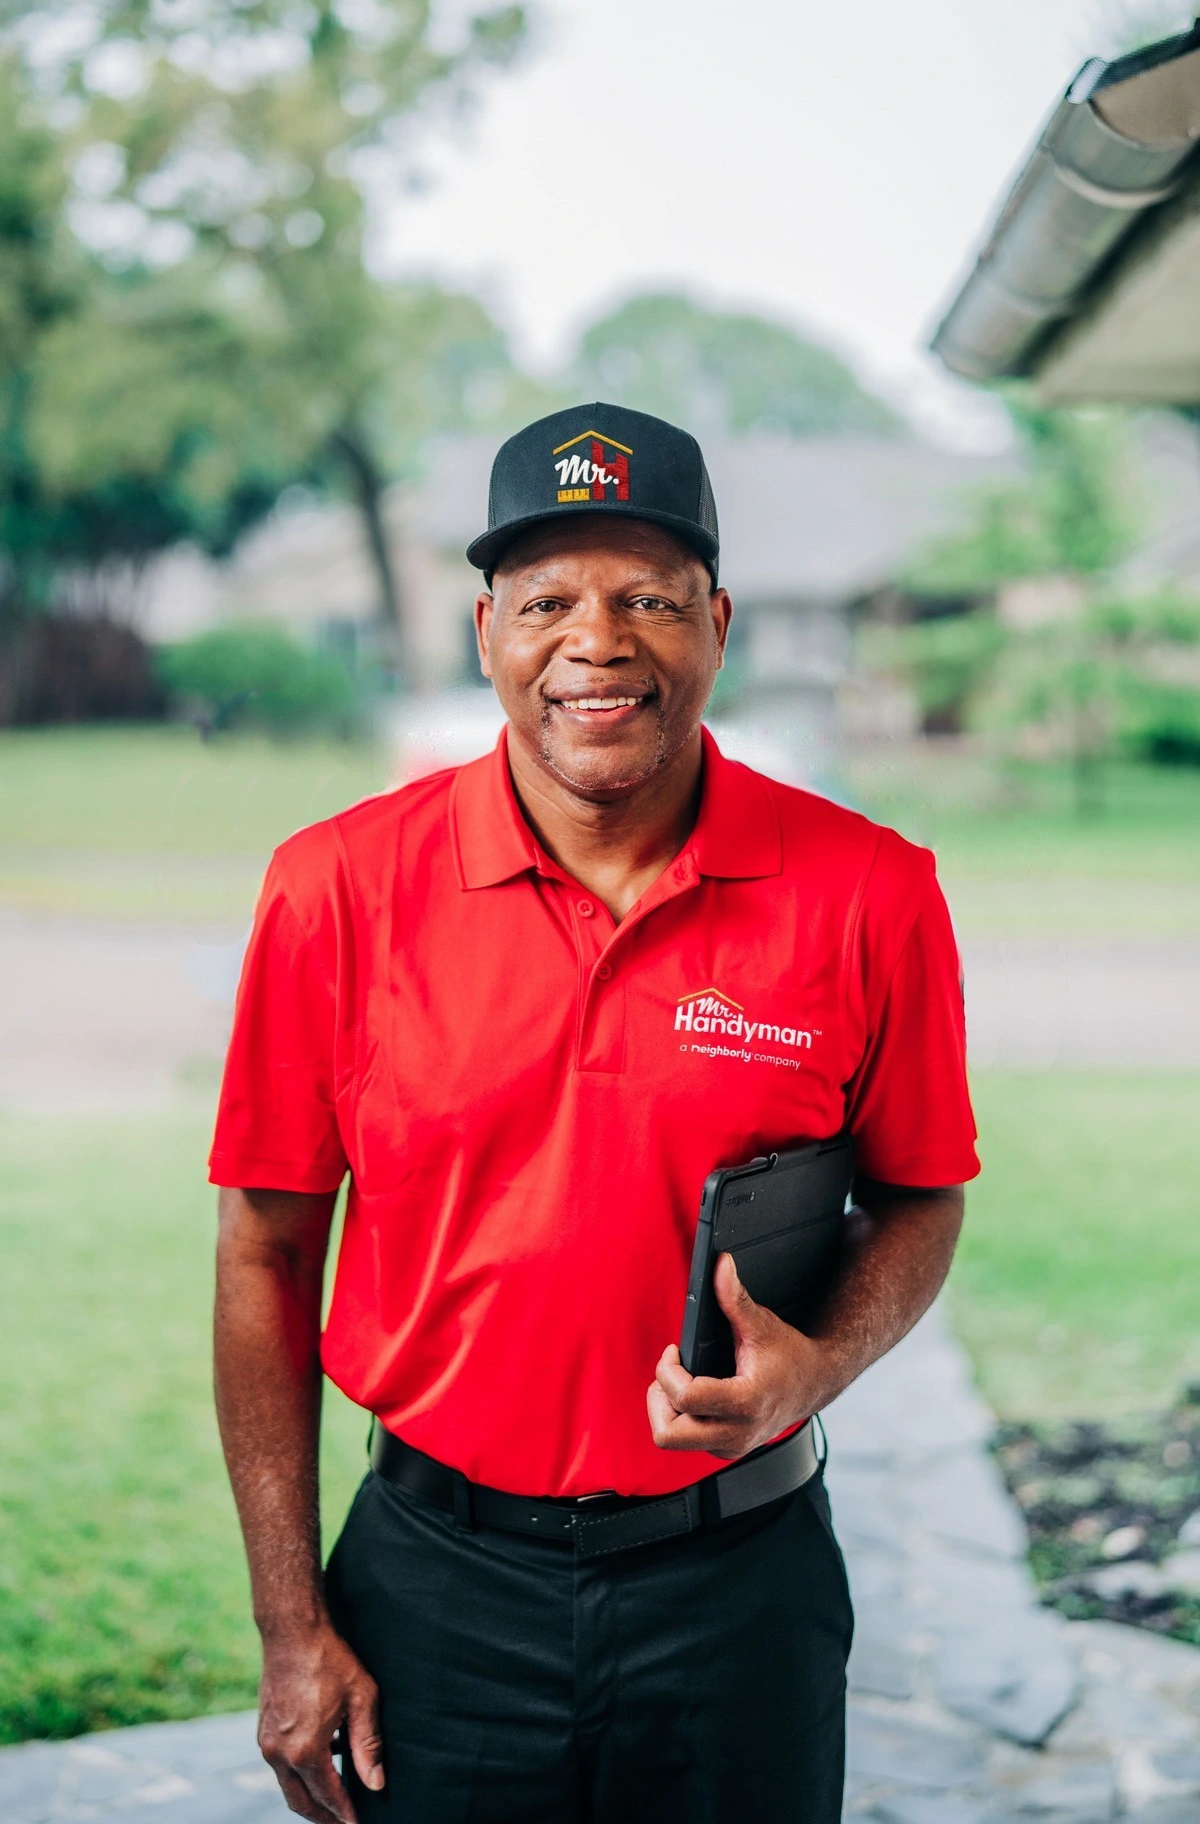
899 1244
312 1686
782 1376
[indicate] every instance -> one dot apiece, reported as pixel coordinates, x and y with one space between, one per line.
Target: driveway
105 1015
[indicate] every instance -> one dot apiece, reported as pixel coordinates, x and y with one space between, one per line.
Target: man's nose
597 633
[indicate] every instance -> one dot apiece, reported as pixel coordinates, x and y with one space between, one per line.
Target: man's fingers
300 1800
702 1395
296 1795
661 1412
310 1784
673 1378
326 1792
362 1729
672 1430
747 1319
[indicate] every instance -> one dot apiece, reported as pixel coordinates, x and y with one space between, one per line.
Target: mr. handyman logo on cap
589 465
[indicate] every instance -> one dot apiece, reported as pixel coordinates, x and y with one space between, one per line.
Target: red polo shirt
528 1097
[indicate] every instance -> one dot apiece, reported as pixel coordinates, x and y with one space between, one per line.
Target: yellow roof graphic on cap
600 438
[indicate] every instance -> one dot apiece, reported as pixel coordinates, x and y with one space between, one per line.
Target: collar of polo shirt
736 835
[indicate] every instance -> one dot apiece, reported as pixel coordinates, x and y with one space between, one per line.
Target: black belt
603 1523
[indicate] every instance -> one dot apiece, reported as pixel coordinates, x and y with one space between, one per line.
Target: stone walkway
969 1703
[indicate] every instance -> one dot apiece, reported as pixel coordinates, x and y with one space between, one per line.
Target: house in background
813 533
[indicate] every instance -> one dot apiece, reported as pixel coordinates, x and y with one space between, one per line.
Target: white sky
833 164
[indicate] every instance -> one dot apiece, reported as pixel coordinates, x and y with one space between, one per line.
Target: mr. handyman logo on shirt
711 1014
589 466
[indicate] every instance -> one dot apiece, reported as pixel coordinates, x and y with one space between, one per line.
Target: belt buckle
580 1504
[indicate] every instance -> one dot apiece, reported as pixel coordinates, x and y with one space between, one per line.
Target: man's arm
900 1245
270 1264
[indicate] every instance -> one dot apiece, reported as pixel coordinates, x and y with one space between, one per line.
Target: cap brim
486 551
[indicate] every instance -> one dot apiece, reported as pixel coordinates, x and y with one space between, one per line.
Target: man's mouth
599 706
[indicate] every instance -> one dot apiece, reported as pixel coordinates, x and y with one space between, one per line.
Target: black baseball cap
599 459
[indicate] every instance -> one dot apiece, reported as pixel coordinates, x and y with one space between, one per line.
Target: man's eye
546 606
656 602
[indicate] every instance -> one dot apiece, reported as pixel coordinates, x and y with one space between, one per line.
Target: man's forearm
270 1261
899 1247
268 1386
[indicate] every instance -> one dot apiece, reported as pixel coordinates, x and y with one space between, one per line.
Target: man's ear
484 605
722 613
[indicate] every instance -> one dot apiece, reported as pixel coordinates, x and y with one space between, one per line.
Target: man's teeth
599 702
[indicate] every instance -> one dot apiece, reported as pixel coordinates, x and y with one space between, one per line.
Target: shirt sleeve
908 1103
277 1126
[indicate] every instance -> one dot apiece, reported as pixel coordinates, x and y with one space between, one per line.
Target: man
528 1005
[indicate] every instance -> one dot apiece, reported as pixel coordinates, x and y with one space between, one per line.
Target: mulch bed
1098 1495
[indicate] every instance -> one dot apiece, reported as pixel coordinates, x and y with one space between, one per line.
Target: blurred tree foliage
49 285
1126 668
1070 512
721 371
1082 667
1068 519
222 334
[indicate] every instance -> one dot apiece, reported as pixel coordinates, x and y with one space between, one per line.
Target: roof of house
1088 277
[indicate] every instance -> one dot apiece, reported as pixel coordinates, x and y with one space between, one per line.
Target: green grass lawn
122 1590
151 822
1016 858
123 1595
1077 1283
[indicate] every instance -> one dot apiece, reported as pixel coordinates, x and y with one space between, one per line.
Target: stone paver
969 1704
204 1772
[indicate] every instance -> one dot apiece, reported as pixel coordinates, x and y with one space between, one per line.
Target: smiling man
576 1584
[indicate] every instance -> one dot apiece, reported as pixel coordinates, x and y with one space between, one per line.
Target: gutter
1120 144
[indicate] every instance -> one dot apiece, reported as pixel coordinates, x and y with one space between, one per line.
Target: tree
722 371
235 144
1068 512
1070 515
168 386
40 280
77 499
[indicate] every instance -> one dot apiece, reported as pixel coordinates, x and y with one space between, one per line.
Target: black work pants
698 1680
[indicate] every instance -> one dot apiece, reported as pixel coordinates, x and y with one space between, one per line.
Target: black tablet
781 1218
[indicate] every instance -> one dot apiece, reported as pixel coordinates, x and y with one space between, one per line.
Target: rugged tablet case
781 1218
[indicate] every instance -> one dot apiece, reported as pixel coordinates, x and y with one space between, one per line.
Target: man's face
602 640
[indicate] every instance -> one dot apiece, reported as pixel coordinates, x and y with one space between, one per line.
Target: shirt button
586 909
681 870
604 972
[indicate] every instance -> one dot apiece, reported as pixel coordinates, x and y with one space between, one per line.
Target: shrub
71 668
1161 722
256 673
